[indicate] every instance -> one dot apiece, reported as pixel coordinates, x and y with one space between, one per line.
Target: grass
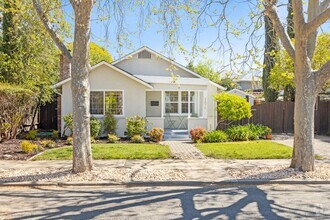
112 151
246 150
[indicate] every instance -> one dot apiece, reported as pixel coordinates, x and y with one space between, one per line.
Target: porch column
162 103
189 110
204 104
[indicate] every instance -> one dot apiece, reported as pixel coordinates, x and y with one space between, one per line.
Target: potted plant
268 132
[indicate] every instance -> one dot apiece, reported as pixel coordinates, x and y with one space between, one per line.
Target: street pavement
244 202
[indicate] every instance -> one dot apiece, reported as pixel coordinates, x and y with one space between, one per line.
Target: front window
181 102
171 102
102 102
96 103
114 103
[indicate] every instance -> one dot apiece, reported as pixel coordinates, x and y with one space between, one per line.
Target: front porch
176 111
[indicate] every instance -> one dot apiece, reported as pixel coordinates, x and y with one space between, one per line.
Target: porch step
177 135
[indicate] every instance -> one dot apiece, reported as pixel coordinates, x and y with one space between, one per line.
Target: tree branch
279 28
324 5
50 30
313 11
314 24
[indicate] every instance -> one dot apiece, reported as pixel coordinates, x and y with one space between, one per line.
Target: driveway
321 144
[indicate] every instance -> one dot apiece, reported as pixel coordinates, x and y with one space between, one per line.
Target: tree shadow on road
194 203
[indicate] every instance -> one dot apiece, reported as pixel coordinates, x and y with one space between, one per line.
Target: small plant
109 124
28 147
95 126
55 134
69 141
32 135
68 124
112 138
48 144
93 141
242 133
137 139
215 137
156 134
136 125
198 134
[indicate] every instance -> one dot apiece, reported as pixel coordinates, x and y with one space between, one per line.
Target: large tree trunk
306 92
271 46
303 154
82 155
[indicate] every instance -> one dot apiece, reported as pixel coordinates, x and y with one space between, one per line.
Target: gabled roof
129 75
254 76
241 91
166 59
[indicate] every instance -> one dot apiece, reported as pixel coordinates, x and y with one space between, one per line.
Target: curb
169 183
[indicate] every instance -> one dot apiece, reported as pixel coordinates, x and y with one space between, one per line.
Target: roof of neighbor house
250 77
146 80
233 91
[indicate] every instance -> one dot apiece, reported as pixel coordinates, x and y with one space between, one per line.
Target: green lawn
245 150
112 151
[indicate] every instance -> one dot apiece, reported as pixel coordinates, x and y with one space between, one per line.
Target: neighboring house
249 97
147 84
250 81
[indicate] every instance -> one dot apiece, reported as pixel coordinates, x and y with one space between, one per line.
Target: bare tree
308 82
82 154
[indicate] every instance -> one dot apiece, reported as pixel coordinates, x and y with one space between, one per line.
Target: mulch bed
12 150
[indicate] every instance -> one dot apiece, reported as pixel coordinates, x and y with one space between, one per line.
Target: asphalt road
245 202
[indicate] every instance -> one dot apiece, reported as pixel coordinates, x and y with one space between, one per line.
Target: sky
104 29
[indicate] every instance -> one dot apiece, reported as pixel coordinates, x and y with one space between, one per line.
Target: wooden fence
279 117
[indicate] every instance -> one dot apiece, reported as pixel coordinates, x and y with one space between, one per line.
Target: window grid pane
171 108
184 107
114 102
96 103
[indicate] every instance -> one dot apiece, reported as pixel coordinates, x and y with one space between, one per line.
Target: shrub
112 138
48 143
15 104
68 124
215 137
109 124
198 134
69 141
136 125
55 134
137 139
232 107
241 133
95 126
156 134
28 147
32 135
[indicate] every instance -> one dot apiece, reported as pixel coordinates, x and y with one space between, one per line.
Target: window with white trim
181 102
106 101
193 103
96 103
184 102
171 102
114 102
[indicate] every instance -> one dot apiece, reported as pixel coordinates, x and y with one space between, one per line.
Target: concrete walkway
321 144
184 150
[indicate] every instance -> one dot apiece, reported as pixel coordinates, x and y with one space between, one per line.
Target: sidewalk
125 171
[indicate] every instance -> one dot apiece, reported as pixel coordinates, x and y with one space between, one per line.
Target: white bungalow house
147 84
